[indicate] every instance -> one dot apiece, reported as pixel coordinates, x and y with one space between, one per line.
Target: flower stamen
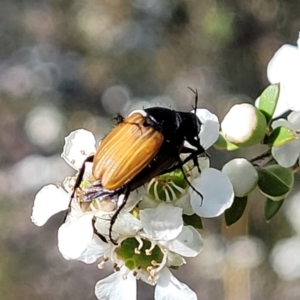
149 251
138 249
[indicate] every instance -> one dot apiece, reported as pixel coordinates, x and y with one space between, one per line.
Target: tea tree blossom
284 68
288 154
148 243
156 230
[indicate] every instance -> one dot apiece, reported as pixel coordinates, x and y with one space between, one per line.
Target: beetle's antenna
195 112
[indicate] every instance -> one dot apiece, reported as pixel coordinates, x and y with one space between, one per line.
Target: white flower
212 201
209 131
147 255
172 188
148 241
115 286
217 192
244 125
52 199
79 145
288 154
168 287
242 175
284 68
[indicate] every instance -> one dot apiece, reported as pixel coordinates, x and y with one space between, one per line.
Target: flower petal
50 200
74 237
210 129
189 243
170 288
116 287
78 146
287 155
242 174
95 249
217 197
283 64
163 222
133 199
175 260
127 224
184 202
290 93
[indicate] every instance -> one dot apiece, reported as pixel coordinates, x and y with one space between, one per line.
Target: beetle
145 144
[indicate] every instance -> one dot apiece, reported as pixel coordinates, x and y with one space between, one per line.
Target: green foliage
268 101
275 181
271 208
280 136
223 145
193 220
235 212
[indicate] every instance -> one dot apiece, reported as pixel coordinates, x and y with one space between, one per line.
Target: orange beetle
146 144
125 151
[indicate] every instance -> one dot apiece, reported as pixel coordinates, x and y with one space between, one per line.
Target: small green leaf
275 181
223 145
271 208
193 220
268 101
235 212
280 136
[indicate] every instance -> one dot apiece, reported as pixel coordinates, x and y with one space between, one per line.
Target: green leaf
268 101
271 208
235 212
193 220
280 136
275 181
223 145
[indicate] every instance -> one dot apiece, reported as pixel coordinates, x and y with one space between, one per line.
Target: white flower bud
244 125
242 175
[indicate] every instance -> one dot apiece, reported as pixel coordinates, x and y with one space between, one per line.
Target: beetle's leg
180 163
80 175
185 177
115 215
78 182
193 156
101 236
119 118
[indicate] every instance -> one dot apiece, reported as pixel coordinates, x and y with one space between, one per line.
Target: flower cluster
148 242
156 227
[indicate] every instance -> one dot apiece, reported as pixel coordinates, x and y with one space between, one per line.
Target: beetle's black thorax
175 126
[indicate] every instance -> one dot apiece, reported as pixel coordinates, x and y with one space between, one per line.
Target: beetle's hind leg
115 215
179 165
193 156
78 182
80 175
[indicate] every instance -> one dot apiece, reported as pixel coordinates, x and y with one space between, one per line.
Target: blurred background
66 65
